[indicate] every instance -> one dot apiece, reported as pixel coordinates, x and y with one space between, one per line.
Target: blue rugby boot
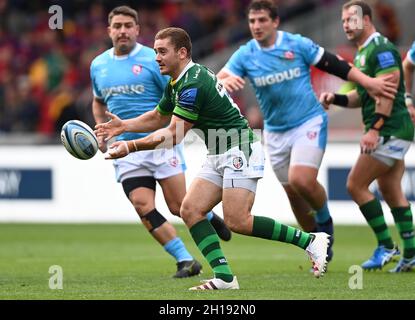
380 257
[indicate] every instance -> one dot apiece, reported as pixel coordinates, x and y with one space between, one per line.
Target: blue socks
177 249
323 214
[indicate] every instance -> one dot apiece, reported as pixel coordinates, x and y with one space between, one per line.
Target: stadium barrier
46 184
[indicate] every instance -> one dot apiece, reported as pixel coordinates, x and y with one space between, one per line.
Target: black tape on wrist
341 100
378 121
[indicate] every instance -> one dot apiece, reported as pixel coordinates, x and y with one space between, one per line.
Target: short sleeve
310 50
189 102
235 64
384 61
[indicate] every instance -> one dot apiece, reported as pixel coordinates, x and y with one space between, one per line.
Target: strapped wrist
378 121
341 100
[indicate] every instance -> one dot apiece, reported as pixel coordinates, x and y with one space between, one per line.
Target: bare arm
98 111
383 110
376 87
230 82
167 137
149 121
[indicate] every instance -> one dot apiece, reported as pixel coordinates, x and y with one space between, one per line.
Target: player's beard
124 49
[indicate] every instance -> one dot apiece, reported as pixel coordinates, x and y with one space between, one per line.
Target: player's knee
186 211
302 184
236 224
174 207
142 205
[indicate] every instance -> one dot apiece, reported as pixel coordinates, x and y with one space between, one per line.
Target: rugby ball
79 139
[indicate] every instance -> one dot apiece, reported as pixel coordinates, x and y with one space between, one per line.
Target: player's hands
117 150
382 87
102 145
326 99
233 83
369 141
110 129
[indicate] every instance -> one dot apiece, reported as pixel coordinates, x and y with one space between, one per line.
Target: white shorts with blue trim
232 169
159 163
303 145
392 150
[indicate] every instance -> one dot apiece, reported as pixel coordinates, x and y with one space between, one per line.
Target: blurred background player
408 71
388 135
195 99
127 80
277 63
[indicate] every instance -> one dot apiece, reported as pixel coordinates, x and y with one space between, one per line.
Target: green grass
123 262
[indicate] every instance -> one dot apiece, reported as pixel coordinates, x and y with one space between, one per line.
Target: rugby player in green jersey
388 135
194 99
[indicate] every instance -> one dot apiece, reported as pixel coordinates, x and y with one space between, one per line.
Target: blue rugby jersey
280 76
129 85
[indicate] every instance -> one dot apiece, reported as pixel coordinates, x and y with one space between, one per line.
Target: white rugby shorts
303 145
232 169
159 163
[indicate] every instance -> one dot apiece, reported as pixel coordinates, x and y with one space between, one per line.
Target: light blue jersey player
126 81
408 70
277 65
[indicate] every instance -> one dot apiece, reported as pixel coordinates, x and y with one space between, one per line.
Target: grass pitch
123 262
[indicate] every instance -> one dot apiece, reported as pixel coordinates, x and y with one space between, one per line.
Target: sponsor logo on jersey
238 162
289 55
123 89
137 69
396 149
173 162
277 77
386 59
311 135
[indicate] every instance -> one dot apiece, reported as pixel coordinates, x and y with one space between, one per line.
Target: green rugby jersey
375 57
196 96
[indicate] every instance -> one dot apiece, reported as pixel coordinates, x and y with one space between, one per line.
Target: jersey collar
278 41
133 52
188 66
368 40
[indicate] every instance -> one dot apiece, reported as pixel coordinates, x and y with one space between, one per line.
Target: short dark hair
267 5
366 9
178 37
124 10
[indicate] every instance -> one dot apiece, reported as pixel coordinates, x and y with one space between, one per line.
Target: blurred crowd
44 73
